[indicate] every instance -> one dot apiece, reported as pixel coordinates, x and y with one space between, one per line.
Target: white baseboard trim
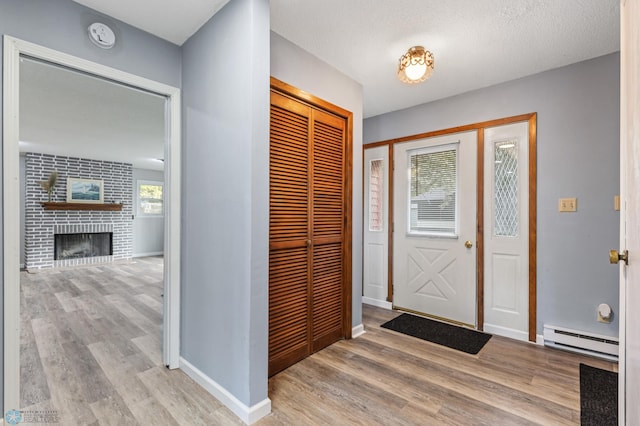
379 303
249 415
540 339
357 331
21 267
506 332
153 253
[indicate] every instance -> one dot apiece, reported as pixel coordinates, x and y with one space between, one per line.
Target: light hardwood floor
91 353
386 378
91 350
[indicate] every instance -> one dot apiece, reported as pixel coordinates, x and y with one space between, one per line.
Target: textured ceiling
172 20
67 113
476 43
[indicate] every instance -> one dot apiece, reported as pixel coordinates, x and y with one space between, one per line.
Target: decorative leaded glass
506 211
433 191
375 195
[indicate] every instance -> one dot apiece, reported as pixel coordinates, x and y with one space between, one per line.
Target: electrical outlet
568 204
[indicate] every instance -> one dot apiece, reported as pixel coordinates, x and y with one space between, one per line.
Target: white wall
297 67
148 231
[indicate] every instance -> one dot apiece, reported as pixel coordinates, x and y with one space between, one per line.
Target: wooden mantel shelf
112 207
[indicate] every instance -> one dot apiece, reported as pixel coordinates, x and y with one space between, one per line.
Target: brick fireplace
41 226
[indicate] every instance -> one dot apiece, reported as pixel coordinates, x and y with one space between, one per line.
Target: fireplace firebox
81 245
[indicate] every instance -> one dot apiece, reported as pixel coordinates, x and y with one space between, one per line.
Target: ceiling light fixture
416 65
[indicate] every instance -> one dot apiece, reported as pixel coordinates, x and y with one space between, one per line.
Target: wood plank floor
91 350
386 378
91 354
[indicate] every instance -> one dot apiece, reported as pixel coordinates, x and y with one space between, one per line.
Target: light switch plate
568 204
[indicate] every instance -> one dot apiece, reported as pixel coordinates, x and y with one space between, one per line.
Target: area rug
451 336
598 396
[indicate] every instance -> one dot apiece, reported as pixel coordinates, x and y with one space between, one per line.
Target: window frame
139 211
494 212
381 194
454 146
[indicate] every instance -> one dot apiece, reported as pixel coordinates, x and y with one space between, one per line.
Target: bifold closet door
327 233
306 239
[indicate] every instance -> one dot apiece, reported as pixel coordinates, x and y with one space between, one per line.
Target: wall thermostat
101 35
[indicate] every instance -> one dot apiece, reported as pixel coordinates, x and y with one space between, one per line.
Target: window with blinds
433 183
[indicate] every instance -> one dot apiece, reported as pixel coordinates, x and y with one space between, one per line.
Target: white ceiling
172 20
476 43
67 113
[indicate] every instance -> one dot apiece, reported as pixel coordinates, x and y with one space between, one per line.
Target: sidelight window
375 195
506 217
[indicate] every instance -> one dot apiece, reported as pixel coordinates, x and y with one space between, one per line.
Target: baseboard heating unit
581 342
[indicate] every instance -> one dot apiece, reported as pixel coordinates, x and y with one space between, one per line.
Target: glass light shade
416 65
415 72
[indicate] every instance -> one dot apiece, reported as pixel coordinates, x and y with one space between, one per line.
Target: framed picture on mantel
85 190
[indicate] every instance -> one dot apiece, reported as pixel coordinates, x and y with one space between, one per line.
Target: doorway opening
15 52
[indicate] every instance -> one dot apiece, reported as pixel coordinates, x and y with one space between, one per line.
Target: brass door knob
615 256
468 244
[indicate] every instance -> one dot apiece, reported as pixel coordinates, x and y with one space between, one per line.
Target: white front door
434 238
506 230
376 226
629 379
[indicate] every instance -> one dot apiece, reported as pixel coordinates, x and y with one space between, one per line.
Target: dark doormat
454 337
598 396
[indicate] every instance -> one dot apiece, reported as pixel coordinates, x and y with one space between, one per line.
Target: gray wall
297 67
62 25
148 231
224 323
578 156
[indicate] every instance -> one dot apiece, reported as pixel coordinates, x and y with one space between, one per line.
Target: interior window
150 198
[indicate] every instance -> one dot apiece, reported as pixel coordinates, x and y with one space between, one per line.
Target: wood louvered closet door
307 238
